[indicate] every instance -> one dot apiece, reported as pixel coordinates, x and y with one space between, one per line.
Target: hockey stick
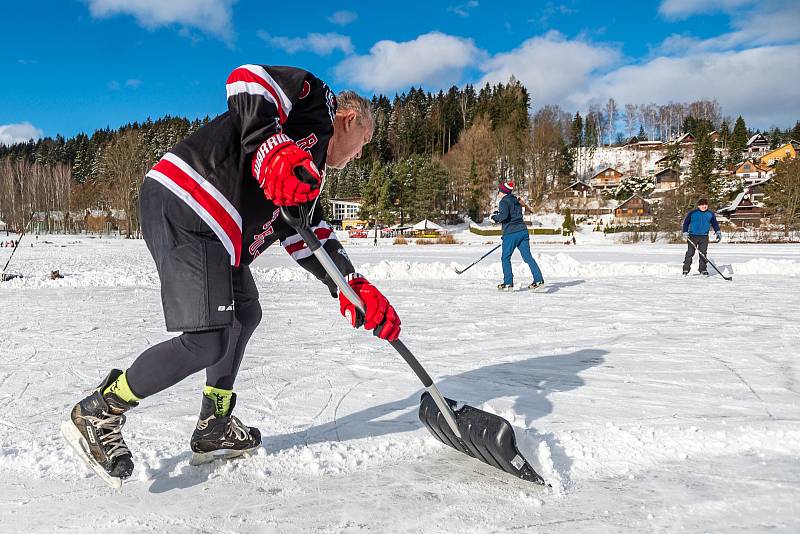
707 260
3 276
479 259
482 435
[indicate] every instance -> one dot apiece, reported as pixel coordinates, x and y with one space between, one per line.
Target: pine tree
724 134
701 182
576 132
775 138
569 222
795 133
738 141
782 194
630 185
674 156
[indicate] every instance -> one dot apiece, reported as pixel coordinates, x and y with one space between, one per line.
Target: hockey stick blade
486 437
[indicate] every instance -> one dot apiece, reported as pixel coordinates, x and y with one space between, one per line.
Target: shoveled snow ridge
552 265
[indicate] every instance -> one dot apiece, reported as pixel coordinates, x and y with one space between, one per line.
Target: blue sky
79 65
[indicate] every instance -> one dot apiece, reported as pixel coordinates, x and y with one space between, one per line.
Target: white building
344 209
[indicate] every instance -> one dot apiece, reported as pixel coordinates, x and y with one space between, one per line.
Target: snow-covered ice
650 402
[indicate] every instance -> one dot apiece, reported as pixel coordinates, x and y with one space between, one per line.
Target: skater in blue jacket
695 229
515 236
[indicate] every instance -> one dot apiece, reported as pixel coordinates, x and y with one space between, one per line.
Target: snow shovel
707 260
482 435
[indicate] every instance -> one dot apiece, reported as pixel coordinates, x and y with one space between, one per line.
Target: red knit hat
507 187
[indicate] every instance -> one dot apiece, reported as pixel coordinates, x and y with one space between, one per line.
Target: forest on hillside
435 155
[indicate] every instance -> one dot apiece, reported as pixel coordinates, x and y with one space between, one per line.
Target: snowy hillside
650 402
628 161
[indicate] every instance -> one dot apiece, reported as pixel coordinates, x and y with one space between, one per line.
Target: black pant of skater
700 242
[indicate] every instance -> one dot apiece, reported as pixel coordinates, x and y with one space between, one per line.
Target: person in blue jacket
695 229
515 236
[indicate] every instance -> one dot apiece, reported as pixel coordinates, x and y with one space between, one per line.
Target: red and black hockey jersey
211 169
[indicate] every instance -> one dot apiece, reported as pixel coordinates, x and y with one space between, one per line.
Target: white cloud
343 18
762 84
432 59
462 10
210 16
774 22
684 8
18 133
550 66
319 43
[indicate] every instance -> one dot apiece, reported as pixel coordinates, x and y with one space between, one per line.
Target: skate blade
76 440
201 458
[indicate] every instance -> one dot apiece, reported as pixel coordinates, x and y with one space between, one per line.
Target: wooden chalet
757 145
635 210
661 164
715 137
685 139
608 178
787 151
648 145
751 172
667 179
579 189
746 209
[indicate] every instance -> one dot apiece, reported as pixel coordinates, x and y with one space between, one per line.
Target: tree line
435 155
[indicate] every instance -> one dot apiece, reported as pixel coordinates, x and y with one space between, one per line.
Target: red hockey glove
285 172
380 314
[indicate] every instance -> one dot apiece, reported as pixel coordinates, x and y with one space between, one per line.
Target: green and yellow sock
221 398
121 389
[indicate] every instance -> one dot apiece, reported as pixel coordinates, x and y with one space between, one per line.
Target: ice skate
221 437
94 431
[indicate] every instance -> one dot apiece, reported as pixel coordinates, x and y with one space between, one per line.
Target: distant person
696 226
208 208
515 236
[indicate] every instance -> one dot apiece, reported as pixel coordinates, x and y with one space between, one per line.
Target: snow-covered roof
644 200
425 224
578 182
735 204
755 138
667 170
741 196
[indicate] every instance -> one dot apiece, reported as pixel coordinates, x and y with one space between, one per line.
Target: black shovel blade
485 436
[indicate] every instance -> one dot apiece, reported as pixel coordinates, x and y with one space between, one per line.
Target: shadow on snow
528 382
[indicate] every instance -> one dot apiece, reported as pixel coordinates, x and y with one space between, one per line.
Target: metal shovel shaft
333 271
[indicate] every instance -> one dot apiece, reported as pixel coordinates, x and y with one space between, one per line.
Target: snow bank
558 265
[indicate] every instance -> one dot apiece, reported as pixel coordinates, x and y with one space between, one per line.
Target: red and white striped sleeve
297 249
261 99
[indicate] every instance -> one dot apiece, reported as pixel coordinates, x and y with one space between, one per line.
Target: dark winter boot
704 273
505 287
536 285
221 436
94 430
